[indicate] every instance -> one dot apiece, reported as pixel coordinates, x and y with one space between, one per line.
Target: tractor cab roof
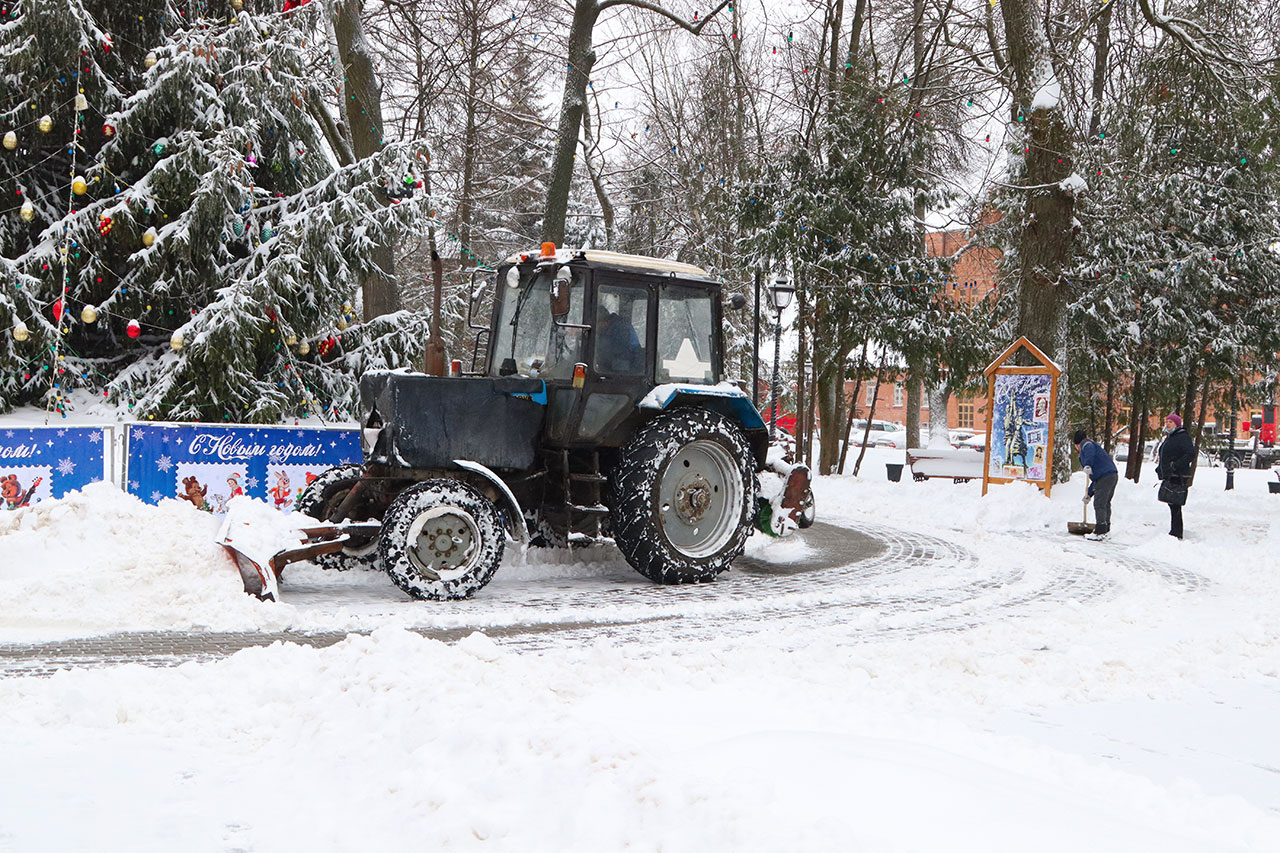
600 259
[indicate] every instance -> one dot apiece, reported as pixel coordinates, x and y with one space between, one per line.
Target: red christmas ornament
108 130
106 45
133 329
104 225
290 5
57 311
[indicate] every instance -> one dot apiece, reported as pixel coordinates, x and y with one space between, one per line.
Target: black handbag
1173 490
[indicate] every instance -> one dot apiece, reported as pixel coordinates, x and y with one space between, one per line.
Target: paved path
848 586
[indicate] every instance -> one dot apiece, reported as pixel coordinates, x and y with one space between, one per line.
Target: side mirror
737 301
560 300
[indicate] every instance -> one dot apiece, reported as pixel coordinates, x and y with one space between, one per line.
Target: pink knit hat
1177 421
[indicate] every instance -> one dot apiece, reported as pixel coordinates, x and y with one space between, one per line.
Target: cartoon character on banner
281 493
195 492
12 494
233 489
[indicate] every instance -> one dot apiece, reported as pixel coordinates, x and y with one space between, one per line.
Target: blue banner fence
206 465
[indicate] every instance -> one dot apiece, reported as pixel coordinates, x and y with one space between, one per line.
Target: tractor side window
622 315
685 335
528 343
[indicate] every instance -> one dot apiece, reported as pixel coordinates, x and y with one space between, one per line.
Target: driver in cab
618 347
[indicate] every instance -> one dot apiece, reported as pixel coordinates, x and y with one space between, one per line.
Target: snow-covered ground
1007 688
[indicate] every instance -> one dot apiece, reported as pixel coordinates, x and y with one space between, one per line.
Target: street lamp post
755 346
780 293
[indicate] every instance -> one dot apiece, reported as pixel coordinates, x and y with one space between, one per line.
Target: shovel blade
1079 528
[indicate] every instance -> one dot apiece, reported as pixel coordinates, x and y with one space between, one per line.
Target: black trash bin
1274 488
894 470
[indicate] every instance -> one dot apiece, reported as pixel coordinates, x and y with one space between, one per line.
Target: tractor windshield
527 342
686 335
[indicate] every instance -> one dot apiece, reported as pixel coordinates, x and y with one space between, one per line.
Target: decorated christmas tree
184 229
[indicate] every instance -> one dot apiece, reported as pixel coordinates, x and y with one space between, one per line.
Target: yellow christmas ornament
150 60
149 237
27 212
290 340
342 324
304 348
45 124
176 340
10 140
89 314
237 4
20 331
347 309
79 186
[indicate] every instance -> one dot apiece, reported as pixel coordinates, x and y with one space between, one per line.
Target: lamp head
781 293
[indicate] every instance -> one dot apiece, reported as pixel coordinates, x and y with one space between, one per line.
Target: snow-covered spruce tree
217 247
842 217
1176 264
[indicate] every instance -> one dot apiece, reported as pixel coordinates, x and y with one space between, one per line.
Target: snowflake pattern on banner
37 463
207 464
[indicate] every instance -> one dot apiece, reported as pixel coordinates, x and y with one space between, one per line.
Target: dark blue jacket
1093 457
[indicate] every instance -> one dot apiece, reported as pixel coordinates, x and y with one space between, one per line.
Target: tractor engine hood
412 420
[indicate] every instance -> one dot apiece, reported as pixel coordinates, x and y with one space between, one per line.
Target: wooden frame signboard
1021 404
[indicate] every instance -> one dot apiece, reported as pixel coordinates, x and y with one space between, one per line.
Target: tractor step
588 478
598 509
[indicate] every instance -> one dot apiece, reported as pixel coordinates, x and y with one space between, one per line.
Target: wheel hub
443 542
700 498
693 499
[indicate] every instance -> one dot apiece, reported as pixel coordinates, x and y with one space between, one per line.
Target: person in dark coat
1174 458
1103 477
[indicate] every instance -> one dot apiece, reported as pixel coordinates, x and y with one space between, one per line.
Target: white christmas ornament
20 331
150 59
176 340
10 140
82 103
27 212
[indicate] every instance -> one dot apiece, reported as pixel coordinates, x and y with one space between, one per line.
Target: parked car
883 434
976 442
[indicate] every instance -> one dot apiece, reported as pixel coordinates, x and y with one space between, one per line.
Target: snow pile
1048 96
100 560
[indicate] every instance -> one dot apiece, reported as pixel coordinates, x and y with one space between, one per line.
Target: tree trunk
853 404
1142 436
582 58
830 384
866 432
363 106
939 396
1044 244
1189 398
1107 417
914 387
1135 406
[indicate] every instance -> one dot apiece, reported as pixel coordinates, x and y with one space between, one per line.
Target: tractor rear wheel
683 495
441 539
319 499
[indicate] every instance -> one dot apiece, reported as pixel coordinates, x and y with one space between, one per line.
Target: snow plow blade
256 551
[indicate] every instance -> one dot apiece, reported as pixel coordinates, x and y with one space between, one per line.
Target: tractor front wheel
683 495
441 539
320 499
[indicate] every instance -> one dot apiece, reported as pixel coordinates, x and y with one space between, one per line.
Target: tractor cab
603 330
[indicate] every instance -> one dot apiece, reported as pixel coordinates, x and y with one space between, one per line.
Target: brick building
973 275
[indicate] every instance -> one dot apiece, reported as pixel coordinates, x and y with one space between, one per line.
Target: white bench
959 465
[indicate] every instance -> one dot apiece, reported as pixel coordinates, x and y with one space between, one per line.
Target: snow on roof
619 259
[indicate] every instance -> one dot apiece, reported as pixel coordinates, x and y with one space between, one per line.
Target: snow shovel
1080 528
